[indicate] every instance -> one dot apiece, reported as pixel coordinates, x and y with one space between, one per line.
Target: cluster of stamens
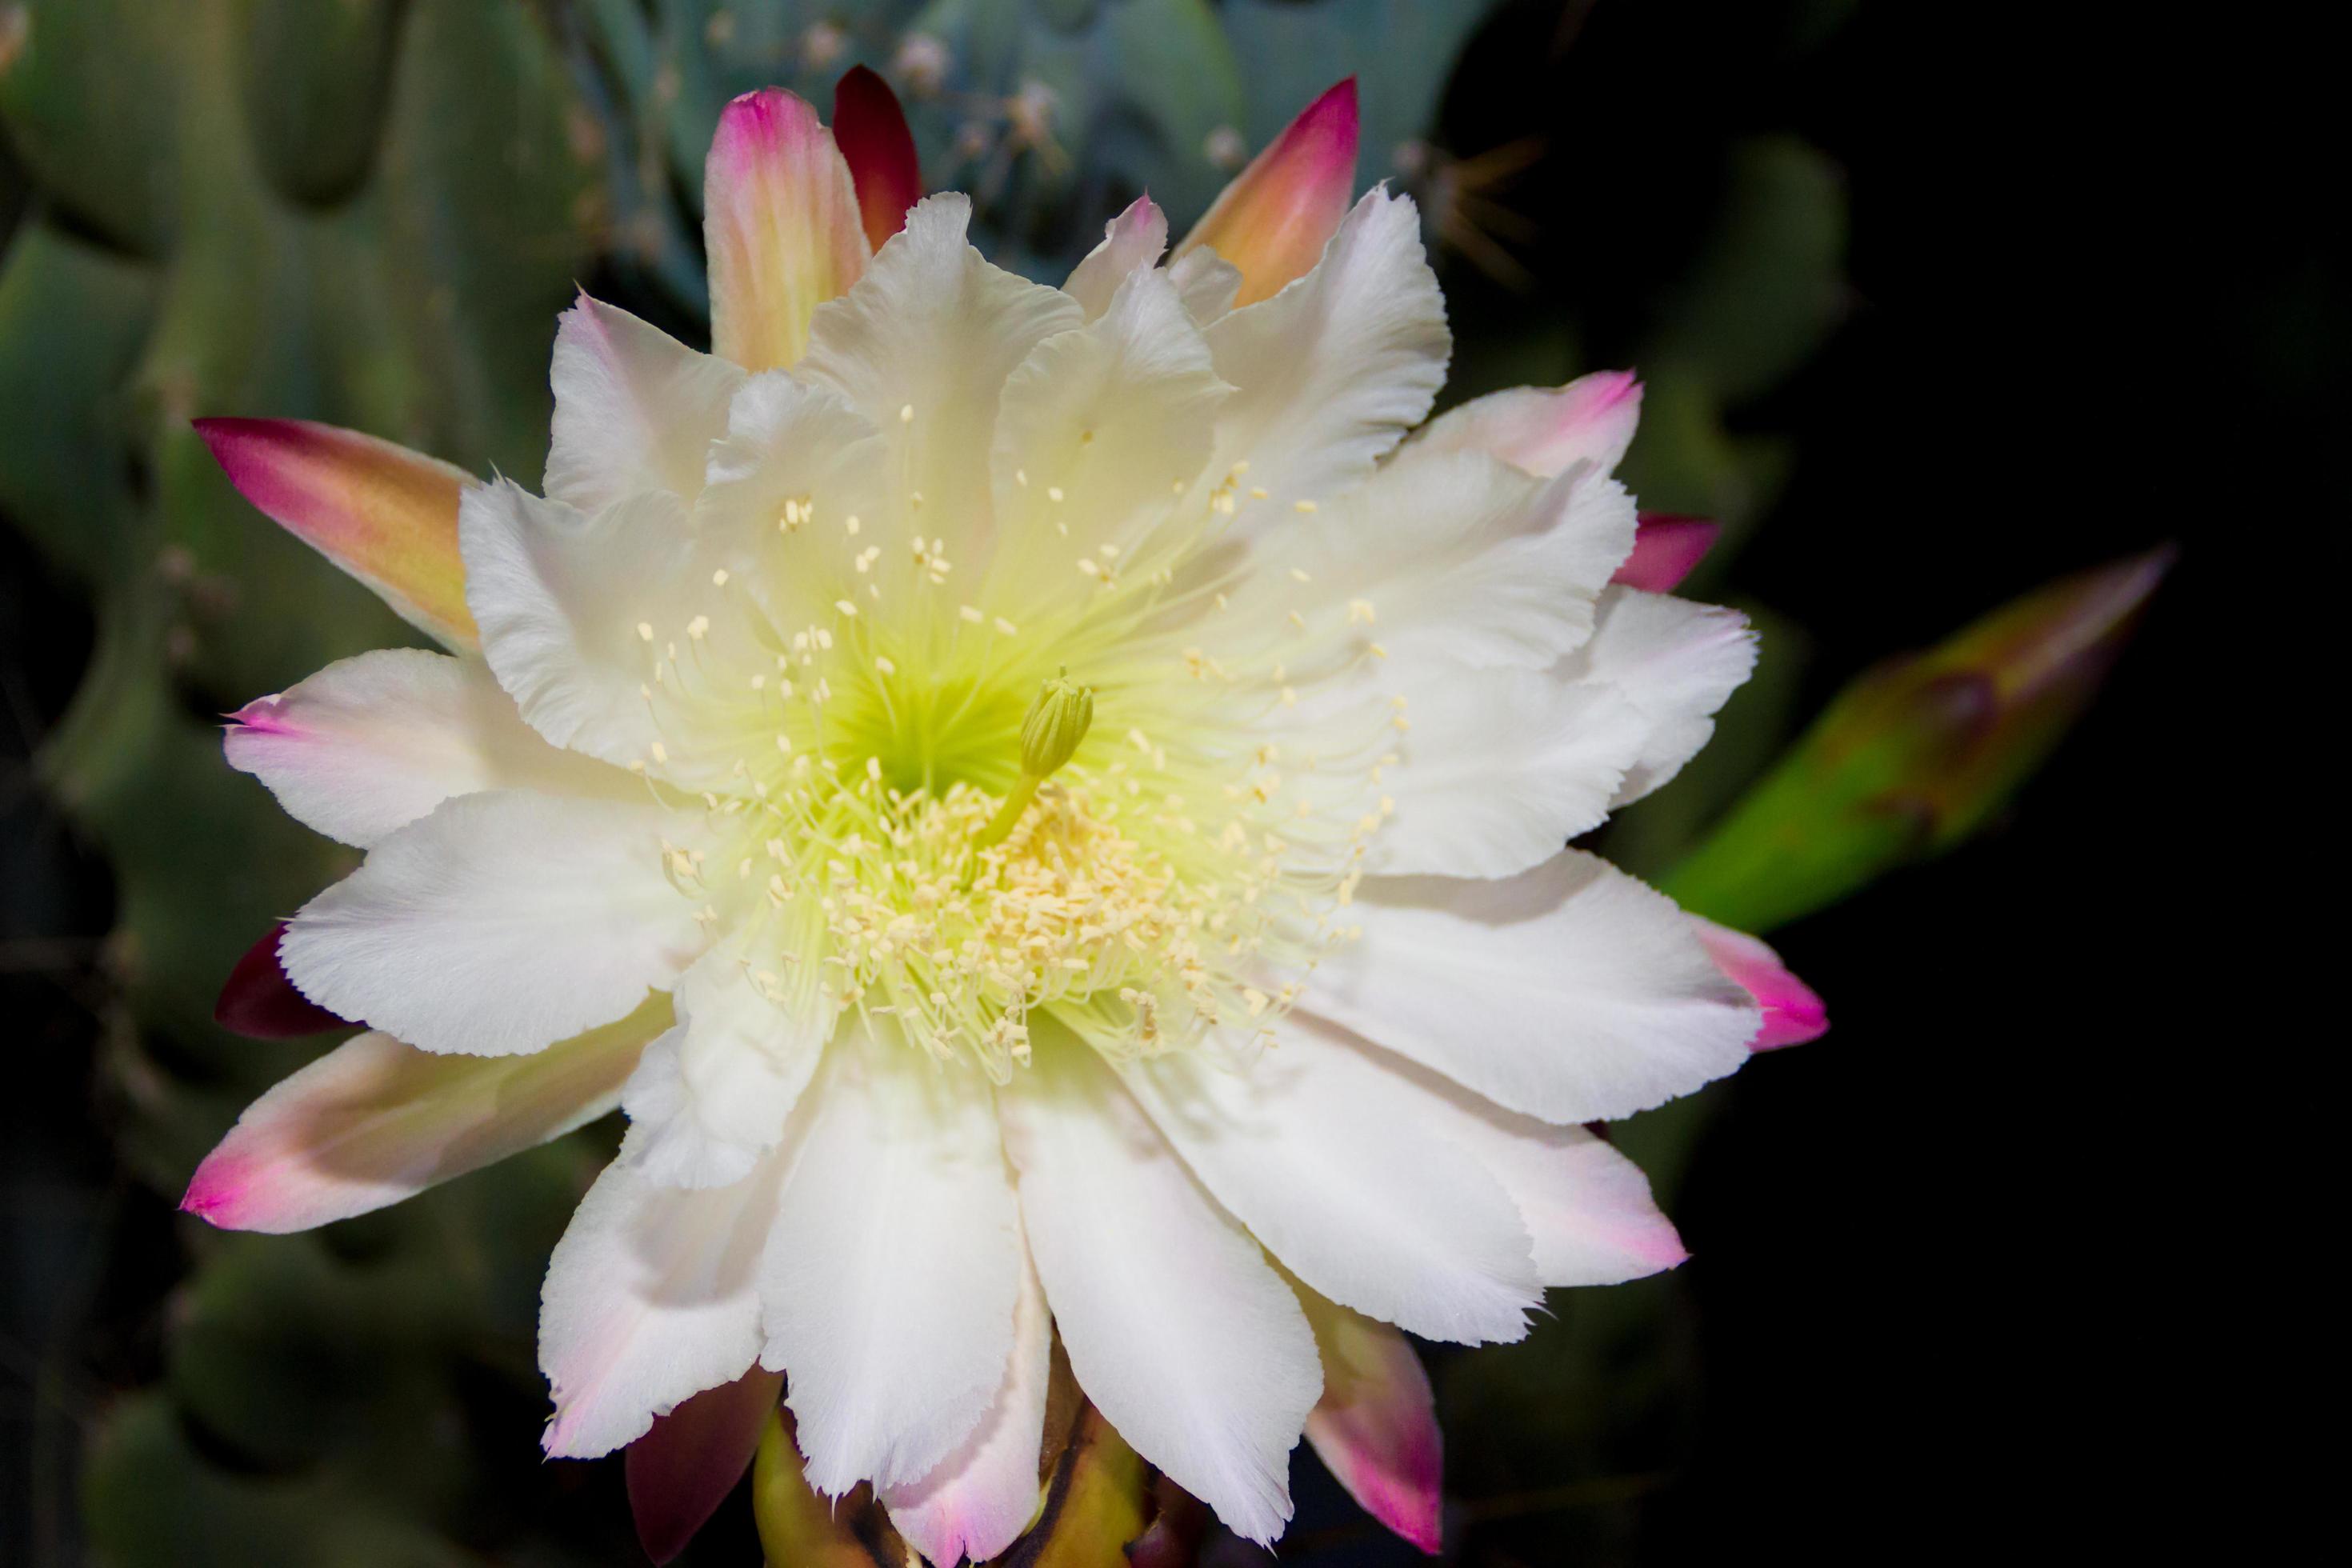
871 844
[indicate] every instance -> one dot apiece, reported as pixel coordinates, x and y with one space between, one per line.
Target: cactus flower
1044 807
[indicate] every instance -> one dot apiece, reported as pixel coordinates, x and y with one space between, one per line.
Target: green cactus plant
368 213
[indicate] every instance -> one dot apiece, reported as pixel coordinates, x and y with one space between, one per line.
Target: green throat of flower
908 820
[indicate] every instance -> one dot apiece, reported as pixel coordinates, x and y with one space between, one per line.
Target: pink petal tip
1376 1426
1274 218
780 224
1793 1014
685 1466
870 129
386 515
1665 551
217 1191
259 1003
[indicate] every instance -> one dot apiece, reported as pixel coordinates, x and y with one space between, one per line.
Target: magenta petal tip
214 1192
1793 1011
870 128
684 1467
259 1003
1666 549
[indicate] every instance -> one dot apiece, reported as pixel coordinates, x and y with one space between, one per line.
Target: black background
2004 1264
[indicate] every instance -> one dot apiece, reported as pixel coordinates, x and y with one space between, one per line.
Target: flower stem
1000 826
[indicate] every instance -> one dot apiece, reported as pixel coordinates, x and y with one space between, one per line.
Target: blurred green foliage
370 212
364 211
1052 113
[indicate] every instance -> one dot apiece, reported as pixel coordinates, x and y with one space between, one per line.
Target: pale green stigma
1057 722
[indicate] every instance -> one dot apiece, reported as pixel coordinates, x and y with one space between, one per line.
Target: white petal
651 1297
635 409
1206 282
922 346
1327 1163
788 446
1135 239
499 924
1570 992
559 596
888 1300
1499 770
980 1498
712 1094
372 743
1676 662
373 1121
1177 1329
1451 555
1586 1206
1097 426
1334 369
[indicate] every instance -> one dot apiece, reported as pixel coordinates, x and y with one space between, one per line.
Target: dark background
1989 1267
2001 1264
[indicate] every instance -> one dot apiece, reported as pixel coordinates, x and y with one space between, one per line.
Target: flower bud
1917 754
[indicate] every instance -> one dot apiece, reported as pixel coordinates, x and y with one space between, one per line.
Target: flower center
897 824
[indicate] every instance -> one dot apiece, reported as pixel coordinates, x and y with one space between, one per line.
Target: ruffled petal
1207 284
1178 1329
1450 556
977 1501
578 612
368 745
922 347
782 225
1376 1425
1132 240
713 1093
386 515
373 1121
1327 1161
1570 992
499 925
1676 662
635 409
1099 428
1546 431
1334 370
889 1299
651 1297
791 447
1273 221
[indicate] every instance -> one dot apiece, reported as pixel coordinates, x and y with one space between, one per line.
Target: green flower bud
1059 720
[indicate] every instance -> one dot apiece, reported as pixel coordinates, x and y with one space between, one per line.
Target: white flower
1280 988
